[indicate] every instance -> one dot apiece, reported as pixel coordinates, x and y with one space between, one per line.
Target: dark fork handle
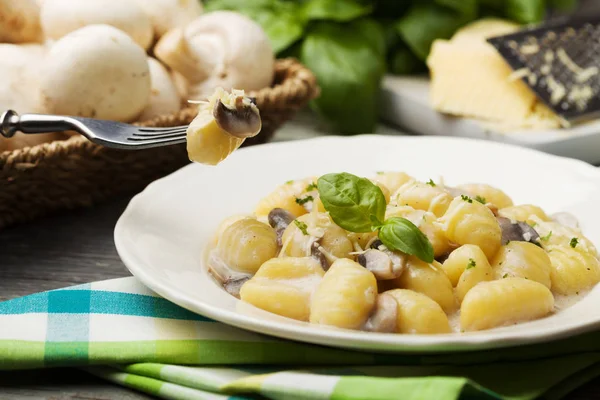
11 122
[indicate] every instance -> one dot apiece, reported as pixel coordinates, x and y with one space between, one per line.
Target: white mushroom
164 98
20 89
180 83
96 71
219 49
20 21
60 17
168 14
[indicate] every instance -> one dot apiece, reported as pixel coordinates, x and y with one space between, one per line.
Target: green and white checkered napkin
122 332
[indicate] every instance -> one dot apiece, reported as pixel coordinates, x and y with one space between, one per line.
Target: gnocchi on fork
392 254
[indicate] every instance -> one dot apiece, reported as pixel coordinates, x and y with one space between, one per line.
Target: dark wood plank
61 384
62 250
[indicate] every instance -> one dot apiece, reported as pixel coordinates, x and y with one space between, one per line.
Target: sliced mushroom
383 264
233 285
384 316
517 231
316 252
279 219
231 280
565 219
376 244
238 116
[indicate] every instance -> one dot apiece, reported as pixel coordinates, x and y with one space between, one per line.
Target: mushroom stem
173 49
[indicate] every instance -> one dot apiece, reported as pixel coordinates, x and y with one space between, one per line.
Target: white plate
405 103
162 233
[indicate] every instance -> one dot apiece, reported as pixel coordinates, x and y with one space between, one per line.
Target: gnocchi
466 267
393 254
345 296
284 286
523 260
423 196
505 301
467 221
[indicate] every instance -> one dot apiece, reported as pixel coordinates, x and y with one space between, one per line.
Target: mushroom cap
227 50
60 17
20 88
20 69
241 119
168 14
20 21
164 97
97 71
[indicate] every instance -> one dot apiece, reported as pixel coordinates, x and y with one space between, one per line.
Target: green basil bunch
358 205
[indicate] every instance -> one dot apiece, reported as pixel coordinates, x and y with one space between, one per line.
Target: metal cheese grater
560 61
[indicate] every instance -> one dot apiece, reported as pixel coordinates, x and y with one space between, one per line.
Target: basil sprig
358 205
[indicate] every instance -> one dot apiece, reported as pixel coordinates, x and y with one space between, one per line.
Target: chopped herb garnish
304 200
466 198
573 243
471 264
504 276
289 182
302 226
547 237
480 199
380 172
311 187
431 183
532 224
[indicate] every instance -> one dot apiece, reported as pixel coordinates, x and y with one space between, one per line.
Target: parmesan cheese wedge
470 79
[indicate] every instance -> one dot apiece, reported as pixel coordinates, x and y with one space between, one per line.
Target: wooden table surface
77 247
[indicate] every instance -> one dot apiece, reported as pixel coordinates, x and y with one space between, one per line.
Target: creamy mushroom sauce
496 263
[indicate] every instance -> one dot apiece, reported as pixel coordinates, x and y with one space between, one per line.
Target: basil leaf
334 10
402 61
353 203
349 64
425 22
465 7
526 11
402 235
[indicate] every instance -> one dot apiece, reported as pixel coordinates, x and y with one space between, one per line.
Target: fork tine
157 142
156 137
160 132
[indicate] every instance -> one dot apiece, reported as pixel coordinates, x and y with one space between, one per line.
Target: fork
106 133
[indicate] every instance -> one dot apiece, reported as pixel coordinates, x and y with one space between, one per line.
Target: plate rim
414 343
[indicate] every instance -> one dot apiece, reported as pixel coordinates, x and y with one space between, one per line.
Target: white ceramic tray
405 103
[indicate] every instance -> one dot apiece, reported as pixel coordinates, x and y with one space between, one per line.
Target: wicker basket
75 172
